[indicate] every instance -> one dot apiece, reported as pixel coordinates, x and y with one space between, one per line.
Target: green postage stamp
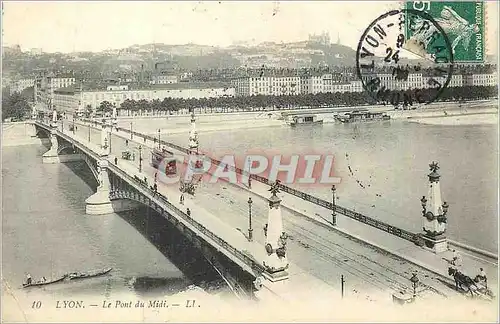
462 22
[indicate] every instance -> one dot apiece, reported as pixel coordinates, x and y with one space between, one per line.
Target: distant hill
147 59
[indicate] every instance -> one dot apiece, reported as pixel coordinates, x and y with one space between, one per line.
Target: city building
36 51
456 81
323 38
20 85
267 84
164 79
46 85
485 79
68 99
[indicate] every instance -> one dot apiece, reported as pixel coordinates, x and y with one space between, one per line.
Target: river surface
384 167
45 232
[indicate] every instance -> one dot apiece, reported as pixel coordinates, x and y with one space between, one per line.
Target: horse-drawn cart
466 285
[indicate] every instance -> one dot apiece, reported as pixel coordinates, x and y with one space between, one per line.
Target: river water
384 167
45 232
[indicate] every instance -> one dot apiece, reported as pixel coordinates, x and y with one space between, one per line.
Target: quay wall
19 133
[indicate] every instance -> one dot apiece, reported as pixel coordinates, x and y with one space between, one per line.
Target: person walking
457 259
481 277
181 201
188 212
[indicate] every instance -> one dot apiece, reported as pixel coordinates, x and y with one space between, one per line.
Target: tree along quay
258 102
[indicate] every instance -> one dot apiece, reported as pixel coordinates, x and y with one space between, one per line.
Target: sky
57 26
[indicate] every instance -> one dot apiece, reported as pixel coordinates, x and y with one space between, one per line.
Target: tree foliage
14 106
259 102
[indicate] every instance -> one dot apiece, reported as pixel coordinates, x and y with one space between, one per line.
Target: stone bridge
119 191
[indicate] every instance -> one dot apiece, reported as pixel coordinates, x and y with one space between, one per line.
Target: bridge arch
206 251
66 148
42 132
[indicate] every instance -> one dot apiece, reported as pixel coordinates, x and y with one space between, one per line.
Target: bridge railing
256 267
399 232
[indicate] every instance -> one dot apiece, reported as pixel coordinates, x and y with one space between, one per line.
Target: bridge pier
99 203
30 129
52 155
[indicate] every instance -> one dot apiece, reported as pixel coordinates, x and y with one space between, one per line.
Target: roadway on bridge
324 253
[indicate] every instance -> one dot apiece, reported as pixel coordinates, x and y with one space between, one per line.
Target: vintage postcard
249 161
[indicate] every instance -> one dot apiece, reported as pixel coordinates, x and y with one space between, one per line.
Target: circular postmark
404 58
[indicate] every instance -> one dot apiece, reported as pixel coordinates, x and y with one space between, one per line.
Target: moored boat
305 120
361 116
88 274
46 282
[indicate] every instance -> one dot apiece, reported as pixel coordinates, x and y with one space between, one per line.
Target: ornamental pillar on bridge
276 262
114 120
53 124
194 161
52 155
99 203
193 136
105 137
434 212
33 112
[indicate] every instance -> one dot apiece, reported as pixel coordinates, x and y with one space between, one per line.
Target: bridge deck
226 220
299 279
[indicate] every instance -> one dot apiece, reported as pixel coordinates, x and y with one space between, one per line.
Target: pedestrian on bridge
182 199
116 160
457 259
188 212
481 277
126 142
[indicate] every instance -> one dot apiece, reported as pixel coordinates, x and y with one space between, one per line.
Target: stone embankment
18 133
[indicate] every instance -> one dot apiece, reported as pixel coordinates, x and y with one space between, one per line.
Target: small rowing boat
88 274
46 282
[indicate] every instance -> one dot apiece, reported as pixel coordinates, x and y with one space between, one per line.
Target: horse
462 281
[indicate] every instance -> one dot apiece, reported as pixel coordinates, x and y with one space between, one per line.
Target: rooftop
89 87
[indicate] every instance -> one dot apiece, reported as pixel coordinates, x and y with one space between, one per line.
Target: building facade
267 85
164 79
328 82
70 99
20 85
45 87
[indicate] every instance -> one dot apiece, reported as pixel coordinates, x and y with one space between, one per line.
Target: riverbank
18 133
488 118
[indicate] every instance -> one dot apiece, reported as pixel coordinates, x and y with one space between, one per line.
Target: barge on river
300 120
361 116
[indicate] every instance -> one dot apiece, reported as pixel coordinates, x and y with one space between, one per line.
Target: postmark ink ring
387 52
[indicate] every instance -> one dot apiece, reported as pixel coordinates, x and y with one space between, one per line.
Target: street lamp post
342 282
159 139
414 280
90 125
250 230
334 215
131 135
140 158
73 125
